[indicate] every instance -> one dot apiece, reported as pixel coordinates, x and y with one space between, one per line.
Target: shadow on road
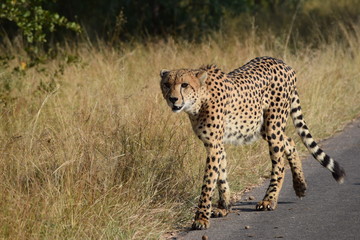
250 206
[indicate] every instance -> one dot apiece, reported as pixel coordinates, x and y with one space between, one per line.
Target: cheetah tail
303 131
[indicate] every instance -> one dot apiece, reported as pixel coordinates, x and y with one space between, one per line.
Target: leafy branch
33 20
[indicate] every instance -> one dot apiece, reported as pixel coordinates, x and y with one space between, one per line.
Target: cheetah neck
195 108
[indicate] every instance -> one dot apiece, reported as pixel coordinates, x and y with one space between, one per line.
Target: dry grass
92 151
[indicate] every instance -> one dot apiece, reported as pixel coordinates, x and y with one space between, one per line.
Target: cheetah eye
167 85
184 85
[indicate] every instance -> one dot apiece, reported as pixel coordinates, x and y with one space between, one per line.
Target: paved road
328 211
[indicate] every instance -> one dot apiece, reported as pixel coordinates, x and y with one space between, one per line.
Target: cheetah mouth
176 109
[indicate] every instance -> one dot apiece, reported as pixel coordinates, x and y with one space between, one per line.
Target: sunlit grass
90 150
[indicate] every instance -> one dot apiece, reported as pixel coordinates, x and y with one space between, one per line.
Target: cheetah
239 107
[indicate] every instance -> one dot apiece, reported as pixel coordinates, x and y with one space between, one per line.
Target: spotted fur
239 107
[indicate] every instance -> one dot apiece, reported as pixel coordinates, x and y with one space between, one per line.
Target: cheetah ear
202 76
164 72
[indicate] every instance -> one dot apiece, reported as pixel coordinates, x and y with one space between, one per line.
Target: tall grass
91 151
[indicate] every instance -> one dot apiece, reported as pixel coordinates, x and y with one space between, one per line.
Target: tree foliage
114 20
121 19
33 19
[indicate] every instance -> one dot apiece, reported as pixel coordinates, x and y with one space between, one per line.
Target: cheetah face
180 88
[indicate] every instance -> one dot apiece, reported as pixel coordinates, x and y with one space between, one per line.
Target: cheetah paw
266 206
219 212
300 188
200 224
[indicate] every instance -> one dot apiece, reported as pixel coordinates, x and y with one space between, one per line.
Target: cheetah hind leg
299 183
276 151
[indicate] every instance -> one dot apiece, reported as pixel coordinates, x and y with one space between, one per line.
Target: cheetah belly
243 133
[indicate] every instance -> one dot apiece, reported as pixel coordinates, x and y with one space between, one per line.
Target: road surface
328 211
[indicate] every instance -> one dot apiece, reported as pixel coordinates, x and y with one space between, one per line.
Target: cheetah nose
173 99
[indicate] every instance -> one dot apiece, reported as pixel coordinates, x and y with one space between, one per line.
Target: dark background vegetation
124 20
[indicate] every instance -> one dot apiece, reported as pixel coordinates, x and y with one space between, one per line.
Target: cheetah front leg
203 213
224 192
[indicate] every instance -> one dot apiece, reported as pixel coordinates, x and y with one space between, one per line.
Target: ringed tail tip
339 173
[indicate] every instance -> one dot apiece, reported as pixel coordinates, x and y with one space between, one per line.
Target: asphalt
328 211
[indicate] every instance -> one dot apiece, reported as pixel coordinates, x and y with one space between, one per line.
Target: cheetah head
181 88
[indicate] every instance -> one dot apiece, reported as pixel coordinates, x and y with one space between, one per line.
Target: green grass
90 150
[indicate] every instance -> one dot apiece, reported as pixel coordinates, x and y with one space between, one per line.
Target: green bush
33 20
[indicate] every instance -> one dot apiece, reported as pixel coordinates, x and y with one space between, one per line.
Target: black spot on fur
313 144
326 161
276 149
